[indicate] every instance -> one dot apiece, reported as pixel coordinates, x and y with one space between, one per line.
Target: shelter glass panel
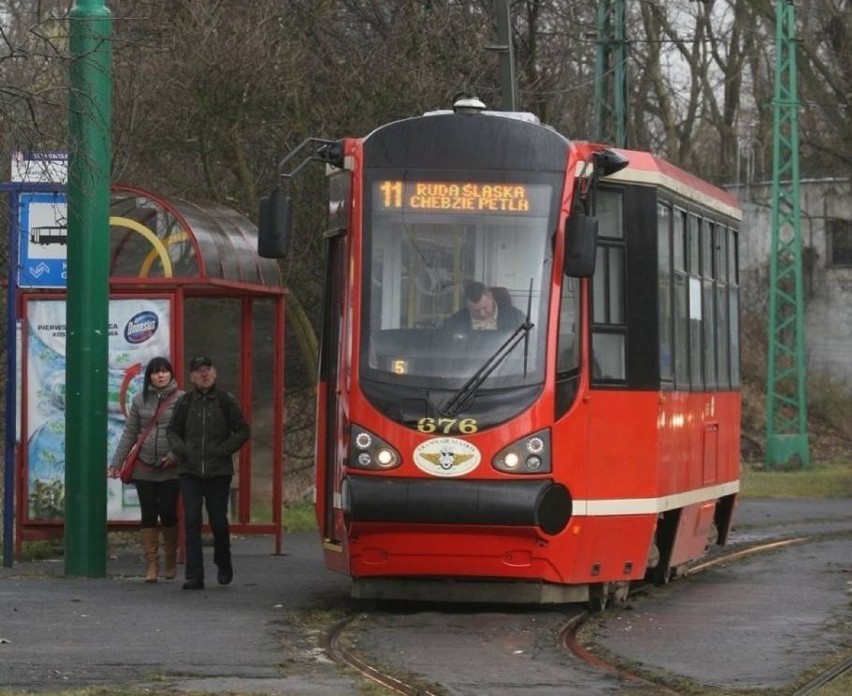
146 241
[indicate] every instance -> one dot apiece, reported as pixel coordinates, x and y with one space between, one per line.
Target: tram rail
337 647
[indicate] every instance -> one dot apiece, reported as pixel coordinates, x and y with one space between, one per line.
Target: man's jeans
213 493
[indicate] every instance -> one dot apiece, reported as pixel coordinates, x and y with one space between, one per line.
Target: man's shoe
225 574
194 584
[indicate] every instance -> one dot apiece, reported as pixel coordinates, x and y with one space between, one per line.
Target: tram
589 435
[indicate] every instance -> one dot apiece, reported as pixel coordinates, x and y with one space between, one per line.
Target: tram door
329 371
331 352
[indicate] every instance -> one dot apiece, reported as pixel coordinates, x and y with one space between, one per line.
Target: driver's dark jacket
205 430
509 318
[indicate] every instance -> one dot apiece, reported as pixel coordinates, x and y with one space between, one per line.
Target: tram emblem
446 456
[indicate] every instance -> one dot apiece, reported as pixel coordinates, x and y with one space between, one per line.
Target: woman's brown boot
151 546
170 538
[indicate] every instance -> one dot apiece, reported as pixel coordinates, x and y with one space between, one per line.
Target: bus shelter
185 280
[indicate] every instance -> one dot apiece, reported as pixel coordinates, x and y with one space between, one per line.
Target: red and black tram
592 441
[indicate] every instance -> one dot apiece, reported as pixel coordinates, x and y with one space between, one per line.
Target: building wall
827 288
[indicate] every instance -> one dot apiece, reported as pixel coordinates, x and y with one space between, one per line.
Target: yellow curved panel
180 236
159 247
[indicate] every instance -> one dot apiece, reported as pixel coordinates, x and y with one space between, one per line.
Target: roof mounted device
467 104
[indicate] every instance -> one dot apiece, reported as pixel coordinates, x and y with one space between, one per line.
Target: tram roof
172 241
650 170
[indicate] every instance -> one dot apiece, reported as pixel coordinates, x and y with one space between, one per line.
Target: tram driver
484 310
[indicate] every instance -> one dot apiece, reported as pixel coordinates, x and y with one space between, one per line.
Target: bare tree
209 94
824 62
33 81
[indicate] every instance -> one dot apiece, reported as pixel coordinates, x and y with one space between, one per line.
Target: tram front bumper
537 503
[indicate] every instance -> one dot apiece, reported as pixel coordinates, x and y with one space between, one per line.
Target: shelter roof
171 241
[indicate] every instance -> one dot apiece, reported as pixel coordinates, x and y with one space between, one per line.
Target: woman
155 474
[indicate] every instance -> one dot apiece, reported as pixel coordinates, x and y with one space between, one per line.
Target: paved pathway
753 625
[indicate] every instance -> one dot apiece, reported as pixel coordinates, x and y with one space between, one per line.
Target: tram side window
681 300
723 334
708 303
696 372
609 331
568 350
705 298
664 280
734 305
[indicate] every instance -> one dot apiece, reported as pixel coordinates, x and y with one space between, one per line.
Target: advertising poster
139 329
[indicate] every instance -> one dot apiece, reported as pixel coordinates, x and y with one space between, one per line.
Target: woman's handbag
129 463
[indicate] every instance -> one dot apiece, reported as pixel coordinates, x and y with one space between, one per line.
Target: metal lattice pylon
786 405
611 75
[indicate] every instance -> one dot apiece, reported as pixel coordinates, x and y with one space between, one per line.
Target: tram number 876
465 426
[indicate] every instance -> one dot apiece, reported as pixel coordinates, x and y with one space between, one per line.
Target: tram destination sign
391 195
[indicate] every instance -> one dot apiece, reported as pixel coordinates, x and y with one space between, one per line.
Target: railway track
341 643
340 653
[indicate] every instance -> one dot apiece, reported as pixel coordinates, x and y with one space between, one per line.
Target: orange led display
423 196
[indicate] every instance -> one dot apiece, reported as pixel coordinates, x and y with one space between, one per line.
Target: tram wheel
712 535
620 593
662 575
598 597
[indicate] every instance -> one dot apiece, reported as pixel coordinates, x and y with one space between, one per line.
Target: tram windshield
458 268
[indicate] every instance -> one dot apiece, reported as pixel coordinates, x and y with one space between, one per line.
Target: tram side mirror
581 242
608 162
274 224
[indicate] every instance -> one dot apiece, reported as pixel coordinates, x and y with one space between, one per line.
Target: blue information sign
43 247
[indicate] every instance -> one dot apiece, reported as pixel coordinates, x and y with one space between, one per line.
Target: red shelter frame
186 253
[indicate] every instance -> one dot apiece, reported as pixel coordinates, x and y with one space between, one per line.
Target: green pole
508 82
610 100
786 383
87 335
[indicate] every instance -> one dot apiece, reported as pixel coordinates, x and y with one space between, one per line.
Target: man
482 312
206 428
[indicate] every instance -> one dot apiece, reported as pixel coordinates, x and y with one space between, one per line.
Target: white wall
828 290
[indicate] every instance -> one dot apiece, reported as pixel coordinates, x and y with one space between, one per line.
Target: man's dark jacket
509 318
205 430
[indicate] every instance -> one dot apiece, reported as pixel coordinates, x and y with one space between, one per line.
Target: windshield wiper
468 390
527 337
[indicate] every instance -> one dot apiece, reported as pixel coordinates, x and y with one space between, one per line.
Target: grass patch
117 690
299 517
41 550
85 691
821 480
842 686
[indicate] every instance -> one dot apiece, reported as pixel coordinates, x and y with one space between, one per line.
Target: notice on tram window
460 197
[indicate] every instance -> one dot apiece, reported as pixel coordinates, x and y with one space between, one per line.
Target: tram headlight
385 458
511 460
529 455
369 451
